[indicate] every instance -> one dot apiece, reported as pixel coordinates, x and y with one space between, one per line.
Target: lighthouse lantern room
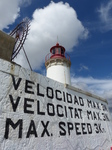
58 64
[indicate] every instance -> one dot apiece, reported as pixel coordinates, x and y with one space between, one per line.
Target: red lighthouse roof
57 51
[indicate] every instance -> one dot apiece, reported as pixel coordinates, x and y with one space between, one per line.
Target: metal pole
27 58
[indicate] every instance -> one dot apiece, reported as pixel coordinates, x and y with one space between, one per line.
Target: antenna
57 38
20 33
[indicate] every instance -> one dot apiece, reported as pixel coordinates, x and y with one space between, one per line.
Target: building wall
59 72
37 113
6 46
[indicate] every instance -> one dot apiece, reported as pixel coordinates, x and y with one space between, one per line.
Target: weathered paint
39 113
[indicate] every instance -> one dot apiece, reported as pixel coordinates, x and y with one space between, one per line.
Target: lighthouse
58 64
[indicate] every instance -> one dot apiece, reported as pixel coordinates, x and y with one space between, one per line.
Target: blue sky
83 27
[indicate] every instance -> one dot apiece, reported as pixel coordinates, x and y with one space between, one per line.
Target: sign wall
39 113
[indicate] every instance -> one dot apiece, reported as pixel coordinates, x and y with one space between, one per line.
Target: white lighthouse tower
58 64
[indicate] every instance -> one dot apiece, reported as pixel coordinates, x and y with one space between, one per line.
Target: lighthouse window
59 51
62 51
53 51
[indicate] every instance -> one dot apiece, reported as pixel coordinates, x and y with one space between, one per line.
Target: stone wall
6 46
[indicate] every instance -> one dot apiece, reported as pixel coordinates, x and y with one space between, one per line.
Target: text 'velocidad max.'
44 111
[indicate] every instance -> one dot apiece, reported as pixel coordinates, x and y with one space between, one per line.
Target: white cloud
105 13
10 10
25 3
56 19
83 67
101 87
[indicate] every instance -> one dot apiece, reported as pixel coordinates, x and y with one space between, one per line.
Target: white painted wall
60 73
37 113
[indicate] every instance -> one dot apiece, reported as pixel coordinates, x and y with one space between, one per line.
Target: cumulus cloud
101 87
105 14
9 11
56 19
